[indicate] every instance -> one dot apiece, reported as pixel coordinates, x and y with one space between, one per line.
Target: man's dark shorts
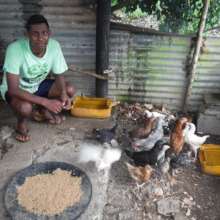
42 91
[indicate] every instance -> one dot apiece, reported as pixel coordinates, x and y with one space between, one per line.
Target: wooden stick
76 69
196 54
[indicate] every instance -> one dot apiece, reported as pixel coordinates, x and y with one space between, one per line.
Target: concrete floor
52 143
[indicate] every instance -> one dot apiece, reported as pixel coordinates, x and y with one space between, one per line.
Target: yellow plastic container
209 156
87 107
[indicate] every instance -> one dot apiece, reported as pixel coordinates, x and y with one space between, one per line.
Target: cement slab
53 143
209 124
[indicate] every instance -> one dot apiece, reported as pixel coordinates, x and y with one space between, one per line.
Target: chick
193 140
139 173
152 157
176 137
143 132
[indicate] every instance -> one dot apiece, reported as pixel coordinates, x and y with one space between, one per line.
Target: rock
153 190
168 206
158 191
5 132
154 216
188 202
180 216
127 215
188 213
110 209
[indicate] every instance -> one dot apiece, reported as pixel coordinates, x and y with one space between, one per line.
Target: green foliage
114 2
181 16
137 13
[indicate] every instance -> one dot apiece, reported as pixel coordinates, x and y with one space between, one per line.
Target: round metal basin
17 212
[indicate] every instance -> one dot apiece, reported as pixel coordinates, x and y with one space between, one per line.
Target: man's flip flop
38 116
41 117
22 136
57 119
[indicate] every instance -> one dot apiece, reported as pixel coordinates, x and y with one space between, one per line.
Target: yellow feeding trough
87 107
209 156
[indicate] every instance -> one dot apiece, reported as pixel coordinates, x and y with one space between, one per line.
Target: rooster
176 137
193 140
140 174
143 132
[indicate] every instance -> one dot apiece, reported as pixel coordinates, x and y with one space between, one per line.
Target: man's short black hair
36 19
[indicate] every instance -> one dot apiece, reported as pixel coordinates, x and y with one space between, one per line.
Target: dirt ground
187 194
196 193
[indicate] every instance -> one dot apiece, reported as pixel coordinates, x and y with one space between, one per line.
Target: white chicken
193 140
155 114
103 156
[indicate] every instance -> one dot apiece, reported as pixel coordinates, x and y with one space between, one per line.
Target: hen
140 174
176 137
148 143
143 132
152 157
193 140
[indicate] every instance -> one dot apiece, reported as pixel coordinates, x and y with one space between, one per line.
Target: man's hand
54 105
65 101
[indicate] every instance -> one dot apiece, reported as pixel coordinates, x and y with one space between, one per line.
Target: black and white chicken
152 157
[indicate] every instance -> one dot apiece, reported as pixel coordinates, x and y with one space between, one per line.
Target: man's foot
57 119
45 115
22 134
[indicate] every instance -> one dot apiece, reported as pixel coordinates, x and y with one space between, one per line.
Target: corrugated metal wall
73 25
207 78
148 67
151 68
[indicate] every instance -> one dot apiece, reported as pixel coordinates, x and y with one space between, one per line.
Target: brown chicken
140 174
143 132
176 137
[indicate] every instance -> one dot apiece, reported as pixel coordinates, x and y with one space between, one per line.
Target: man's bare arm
14 91
63 95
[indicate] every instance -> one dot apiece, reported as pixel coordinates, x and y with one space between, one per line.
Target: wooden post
102 44
196 54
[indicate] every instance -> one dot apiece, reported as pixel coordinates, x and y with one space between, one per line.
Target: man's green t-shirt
31 69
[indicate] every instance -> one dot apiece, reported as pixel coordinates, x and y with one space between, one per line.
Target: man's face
38 36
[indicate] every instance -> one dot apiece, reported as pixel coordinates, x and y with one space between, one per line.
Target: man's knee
25 109
22 108
70 90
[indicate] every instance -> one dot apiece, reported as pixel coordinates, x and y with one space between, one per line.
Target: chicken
176 137
152 157
140 174
148 143
182 160
105 135
165 166
143 132
103 157
193 140
154 114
